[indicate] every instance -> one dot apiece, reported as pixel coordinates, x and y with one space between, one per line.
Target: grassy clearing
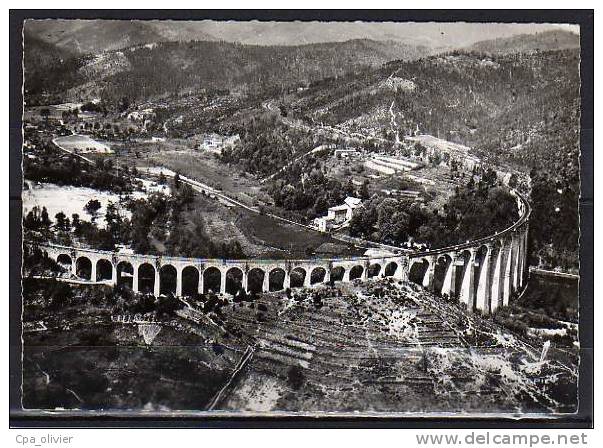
260 236
292 240
82 144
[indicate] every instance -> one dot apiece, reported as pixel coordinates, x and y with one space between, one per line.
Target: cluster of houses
338 216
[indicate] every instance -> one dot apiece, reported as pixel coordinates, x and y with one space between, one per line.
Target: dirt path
280 170
241 364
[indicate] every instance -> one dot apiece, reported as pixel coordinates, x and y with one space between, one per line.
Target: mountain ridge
95 36
525 43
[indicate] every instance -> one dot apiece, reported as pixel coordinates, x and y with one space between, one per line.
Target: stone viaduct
483 273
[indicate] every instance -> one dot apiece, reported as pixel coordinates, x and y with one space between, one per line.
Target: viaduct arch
483 274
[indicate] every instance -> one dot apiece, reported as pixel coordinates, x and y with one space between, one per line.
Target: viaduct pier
482 273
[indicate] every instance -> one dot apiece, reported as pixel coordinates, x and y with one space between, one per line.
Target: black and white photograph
315 218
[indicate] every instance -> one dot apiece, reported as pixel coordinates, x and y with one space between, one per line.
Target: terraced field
385 347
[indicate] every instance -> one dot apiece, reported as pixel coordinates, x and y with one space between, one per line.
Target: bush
167 306
60 294
295 377
145 304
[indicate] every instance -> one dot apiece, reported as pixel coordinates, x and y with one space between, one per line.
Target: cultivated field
259 235
204 167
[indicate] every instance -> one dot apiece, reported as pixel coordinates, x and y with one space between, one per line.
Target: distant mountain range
526 43
92 36
95 36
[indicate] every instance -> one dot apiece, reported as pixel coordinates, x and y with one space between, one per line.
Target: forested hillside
157 69
48 65
518 110
97 36
497 105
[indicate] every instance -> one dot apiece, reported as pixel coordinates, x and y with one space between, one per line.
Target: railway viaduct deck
482 273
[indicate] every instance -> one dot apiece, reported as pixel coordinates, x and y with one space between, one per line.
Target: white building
346 153
339 215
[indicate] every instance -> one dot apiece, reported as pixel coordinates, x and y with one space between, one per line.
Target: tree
513 181
124 104
363 220
167 306
44 219
100 238
100 164
62 222
92 208
113 218
364 191
489 177
45 113
60 294
321 205
295 377
76 223
36 219
436 159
